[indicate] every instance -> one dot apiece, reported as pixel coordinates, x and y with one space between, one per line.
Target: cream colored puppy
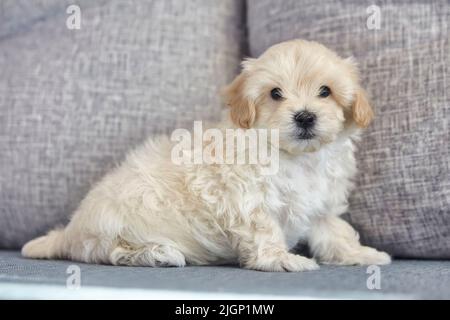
153 212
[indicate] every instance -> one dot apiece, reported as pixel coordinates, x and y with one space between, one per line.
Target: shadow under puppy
152 212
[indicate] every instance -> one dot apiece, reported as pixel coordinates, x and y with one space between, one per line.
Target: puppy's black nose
305 119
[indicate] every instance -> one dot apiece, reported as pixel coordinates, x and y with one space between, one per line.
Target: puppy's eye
276 94
324 91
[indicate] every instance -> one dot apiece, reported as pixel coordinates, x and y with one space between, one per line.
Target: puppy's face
302 89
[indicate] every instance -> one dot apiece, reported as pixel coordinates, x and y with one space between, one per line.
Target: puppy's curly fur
152 212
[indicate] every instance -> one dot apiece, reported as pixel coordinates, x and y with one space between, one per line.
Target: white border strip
53 292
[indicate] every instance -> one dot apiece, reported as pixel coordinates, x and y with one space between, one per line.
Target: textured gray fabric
402 279
73 101
402 202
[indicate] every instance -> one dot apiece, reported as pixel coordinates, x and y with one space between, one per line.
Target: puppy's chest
309 188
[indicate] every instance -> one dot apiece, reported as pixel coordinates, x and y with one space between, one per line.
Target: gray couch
73 101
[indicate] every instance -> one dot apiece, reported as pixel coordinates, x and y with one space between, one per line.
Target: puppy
152 212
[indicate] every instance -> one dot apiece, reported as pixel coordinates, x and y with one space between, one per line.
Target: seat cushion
49 279
402 200
72 102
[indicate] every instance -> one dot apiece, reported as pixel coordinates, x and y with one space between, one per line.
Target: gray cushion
402 202
73 101
44 279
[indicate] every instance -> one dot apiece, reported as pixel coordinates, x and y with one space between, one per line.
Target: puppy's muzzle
305 122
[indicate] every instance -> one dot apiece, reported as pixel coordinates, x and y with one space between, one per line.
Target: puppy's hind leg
149 255
334 241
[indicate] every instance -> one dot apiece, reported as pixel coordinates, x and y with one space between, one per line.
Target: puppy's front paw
293 262
366 256
283 262
373 256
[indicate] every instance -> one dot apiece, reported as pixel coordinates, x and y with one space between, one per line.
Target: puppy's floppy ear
242 108
361 110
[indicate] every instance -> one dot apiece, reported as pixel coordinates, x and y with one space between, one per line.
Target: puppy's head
304 90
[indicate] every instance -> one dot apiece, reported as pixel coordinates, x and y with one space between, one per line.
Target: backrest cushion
402 200
72 102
